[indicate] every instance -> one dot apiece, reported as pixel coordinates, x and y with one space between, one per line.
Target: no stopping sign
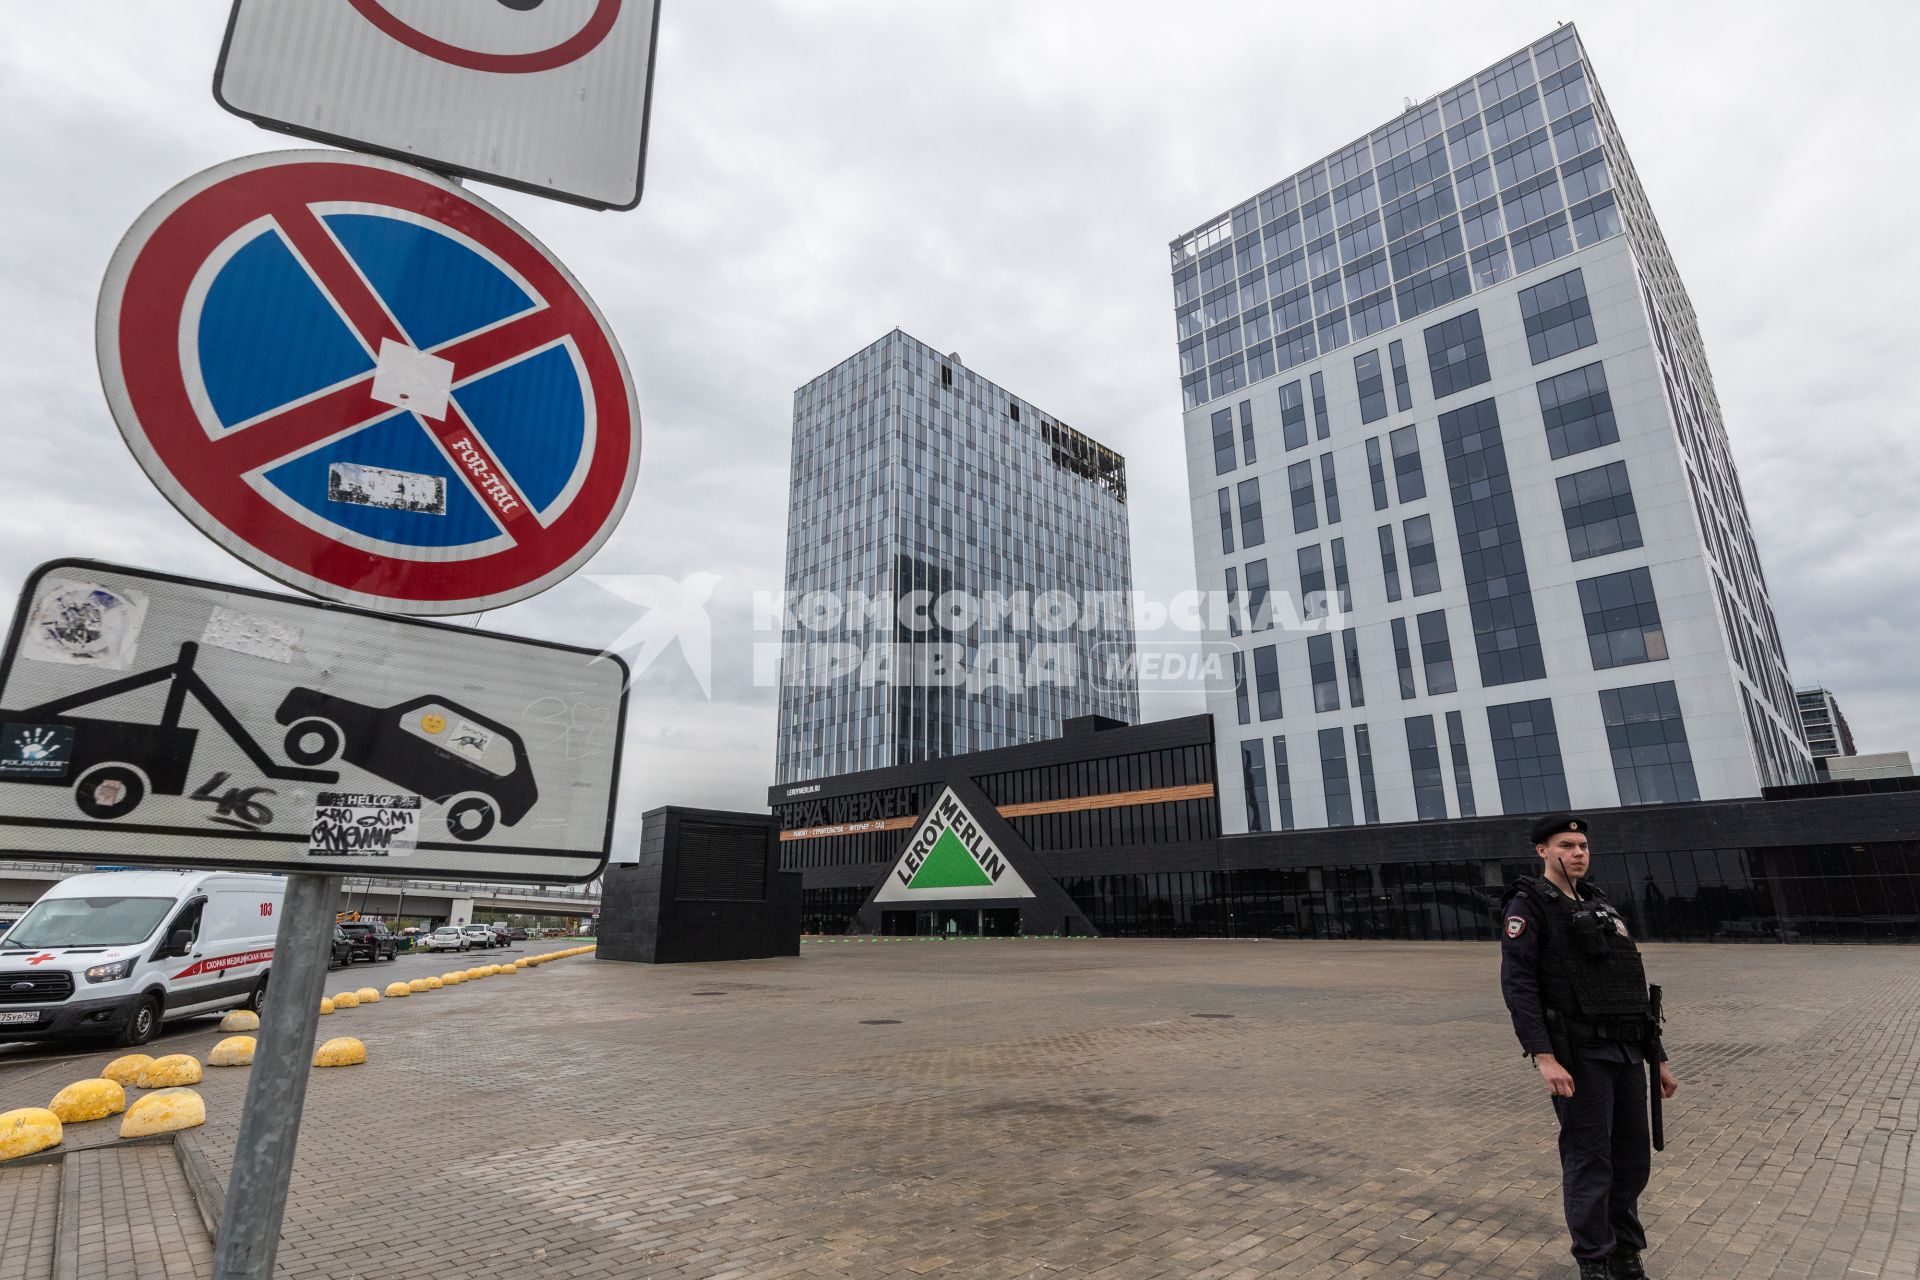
367 383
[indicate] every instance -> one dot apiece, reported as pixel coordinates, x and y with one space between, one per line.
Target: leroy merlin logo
949 856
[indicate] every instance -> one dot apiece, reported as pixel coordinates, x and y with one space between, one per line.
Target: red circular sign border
139 348
573 48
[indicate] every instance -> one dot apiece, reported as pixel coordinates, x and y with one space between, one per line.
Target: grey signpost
277 1089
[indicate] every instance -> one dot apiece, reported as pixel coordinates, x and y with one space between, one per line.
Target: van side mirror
180 942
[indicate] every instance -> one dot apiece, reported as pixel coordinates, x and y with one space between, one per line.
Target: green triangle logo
950 858
949 866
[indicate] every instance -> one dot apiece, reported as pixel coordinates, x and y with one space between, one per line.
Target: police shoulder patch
1516 925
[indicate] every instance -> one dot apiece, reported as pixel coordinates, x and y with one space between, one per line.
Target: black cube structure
708 886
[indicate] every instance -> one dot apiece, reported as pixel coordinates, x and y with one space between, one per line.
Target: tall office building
1448 376
1826 728
914 480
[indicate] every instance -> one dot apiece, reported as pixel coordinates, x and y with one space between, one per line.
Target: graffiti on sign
358 824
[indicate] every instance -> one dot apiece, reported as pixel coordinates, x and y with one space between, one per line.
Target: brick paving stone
29 1208
1053 1109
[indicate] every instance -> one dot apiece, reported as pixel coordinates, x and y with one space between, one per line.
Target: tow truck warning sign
355 824
216 726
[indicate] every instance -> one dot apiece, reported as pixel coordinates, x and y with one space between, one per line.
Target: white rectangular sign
545 96
147 718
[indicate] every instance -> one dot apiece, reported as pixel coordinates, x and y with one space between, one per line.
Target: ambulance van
119 953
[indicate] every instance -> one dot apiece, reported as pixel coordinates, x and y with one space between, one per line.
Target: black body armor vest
1590 970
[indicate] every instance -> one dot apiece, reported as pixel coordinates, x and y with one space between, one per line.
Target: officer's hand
1559 1079
1668 1084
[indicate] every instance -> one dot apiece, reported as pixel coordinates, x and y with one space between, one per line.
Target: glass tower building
1509 567
958 569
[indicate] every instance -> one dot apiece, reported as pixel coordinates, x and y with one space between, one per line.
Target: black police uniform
1574 984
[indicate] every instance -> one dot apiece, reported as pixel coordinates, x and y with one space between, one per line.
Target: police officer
1574 983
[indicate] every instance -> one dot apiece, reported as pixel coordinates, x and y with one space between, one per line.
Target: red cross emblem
44 955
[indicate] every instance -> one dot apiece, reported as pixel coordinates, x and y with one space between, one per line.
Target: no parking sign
367 383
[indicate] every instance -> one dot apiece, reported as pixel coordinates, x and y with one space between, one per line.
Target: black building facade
1114 830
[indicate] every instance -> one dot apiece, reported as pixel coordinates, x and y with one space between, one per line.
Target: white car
447 939
477 935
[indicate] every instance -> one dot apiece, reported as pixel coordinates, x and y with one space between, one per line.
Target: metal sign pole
277 1089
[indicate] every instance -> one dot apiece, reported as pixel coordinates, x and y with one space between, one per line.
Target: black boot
1594 1269
1625 1265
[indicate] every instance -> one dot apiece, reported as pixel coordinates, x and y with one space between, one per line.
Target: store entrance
951 922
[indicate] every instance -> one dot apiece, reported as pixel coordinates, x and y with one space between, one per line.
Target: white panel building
1449 378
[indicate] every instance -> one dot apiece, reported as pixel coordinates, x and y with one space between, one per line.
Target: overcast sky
1001 180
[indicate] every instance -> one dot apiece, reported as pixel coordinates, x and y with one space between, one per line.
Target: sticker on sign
545 96
254 730
356 824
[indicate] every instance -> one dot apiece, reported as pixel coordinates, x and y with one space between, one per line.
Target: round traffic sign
534 41
367 383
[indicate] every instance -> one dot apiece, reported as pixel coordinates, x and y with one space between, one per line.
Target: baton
1652 1052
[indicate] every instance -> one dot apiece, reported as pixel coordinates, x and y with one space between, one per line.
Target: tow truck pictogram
116 763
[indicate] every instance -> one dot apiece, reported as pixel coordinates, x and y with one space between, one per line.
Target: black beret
1547 828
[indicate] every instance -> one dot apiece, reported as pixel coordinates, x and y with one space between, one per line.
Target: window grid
1499 595
1623 619
1457 355
1253 529
1266 681
1557 317
1363 755
1335 784
1253 776
1526 757
1409 480
1402 389
1462 769
1436 652
1423 757
1300 490
1241 705
1577 410
1389 563
1647 738
1322 671
1597 506
1403 659
1282 783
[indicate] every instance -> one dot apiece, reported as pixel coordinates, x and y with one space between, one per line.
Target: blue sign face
269 337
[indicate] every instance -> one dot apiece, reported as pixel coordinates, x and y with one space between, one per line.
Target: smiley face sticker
433 723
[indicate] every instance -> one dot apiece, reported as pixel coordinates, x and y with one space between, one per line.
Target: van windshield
88 922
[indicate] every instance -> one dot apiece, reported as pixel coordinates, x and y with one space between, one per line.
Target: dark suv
370 940
342 953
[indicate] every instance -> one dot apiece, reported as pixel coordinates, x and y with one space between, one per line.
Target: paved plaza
1060 1109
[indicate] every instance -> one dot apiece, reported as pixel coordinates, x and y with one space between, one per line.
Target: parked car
518 935
446 939
371 941
342 953
502 936
478 935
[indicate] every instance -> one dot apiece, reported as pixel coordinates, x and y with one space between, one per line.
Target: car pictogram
477 768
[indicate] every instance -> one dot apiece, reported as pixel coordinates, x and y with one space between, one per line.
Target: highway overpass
445 902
